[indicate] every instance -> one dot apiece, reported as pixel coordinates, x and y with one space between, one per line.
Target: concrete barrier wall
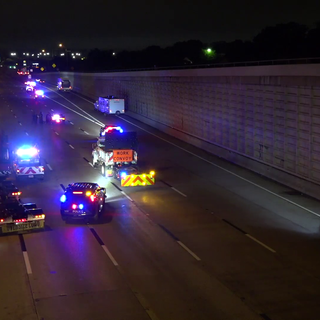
266 119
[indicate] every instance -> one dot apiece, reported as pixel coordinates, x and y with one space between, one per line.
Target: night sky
124 24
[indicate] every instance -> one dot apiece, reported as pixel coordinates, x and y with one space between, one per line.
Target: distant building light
73 57
27 54
48 53
113 53
61 54
32 55
13 54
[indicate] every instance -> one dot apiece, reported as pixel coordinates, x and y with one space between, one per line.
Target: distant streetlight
43 50
113 53
27 54
209 50
24 53
13 54
60 45
62 54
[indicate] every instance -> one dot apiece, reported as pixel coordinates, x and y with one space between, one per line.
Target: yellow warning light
152 173
88 193
144 175
132 184
144 183
132 176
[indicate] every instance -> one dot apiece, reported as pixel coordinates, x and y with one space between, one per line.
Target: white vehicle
27 163
110 105
64 85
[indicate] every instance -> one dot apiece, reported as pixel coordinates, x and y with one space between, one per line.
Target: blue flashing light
123 175
63 198
32 83
103 133
80 206
27 151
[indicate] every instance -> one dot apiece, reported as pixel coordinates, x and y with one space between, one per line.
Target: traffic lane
173 282
16 301
59 155
276 188
68 265
260 276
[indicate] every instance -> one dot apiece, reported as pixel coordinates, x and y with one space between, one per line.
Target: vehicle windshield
66 83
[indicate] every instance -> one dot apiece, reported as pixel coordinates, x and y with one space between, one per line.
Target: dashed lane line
56 133
173 188
249 236
25 254
181 244
71 146
225 170
48 165
139 297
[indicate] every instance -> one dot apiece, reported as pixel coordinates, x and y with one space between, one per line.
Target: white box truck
110 105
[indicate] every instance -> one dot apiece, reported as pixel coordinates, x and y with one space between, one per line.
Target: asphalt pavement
209 240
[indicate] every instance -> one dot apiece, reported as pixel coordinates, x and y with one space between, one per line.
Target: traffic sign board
42 69
54 65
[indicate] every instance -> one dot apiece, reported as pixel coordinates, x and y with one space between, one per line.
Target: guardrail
218 65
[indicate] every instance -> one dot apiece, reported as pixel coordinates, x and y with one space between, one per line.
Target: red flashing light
1 220
20 220
92 198
74 206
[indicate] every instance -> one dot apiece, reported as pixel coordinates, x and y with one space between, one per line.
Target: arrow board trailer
110 105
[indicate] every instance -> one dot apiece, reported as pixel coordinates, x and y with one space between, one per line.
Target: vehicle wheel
117 113
103 170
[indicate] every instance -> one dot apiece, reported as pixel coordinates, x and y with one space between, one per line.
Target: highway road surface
209 241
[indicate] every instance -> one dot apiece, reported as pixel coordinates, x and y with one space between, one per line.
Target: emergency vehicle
114 146
27 163
16 217
110 105
38 94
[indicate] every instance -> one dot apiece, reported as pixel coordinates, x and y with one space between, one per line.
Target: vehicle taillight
18 170
1 220
20 220
93 198
16 193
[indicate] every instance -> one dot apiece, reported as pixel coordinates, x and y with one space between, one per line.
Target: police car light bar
31 152
114 128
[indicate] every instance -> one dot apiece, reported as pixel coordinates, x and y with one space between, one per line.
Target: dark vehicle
120 169
64 85
83 200
42 81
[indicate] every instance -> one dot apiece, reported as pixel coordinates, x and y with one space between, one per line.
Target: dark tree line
283 41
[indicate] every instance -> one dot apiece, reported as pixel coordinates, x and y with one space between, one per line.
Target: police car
82 200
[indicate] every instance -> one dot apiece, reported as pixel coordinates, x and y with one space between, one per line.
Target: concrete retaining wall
266 119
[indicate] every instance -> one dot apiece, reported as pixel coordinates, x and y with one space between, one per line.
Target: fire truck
27 163
114 146
16 217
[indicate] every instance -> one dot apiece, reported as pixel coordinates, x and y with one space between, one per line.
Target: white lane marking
71 122
76 107
100 124
213 164
91 164
72 147
56 133
126 196
261 243
15 116
188 250
20 123
109 255
176 190
48 165
85 132
82 97
52 110
27 262
228 171
27 133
